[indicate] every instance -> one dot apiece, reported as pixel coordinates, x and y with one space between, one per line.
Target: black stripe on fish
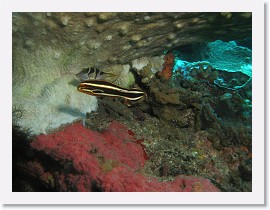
91 73
104 88
94 71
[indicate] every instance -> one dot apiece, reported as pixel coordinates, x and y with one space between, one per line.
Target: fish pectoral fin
97 91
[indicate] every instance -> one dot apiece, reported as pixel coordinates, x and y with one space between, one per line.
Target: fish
91 73
104 88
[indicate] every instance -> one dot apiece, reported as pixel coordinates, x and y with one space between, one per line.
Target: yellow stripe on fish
104 88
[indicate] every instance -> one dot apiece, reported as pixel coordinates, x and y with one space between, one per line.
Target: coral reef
186 138
168 65
229 56
47 99
146 68
169 140
117 38
87 160
226 56
50 48
27 173
195 121
164 95
120 75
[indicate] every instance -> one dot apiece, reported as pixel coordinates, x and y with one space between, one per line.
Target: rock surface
50 48
106 38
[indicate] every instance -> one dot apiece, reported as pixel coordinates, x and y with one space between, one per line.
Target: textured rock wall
50 48
110 38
